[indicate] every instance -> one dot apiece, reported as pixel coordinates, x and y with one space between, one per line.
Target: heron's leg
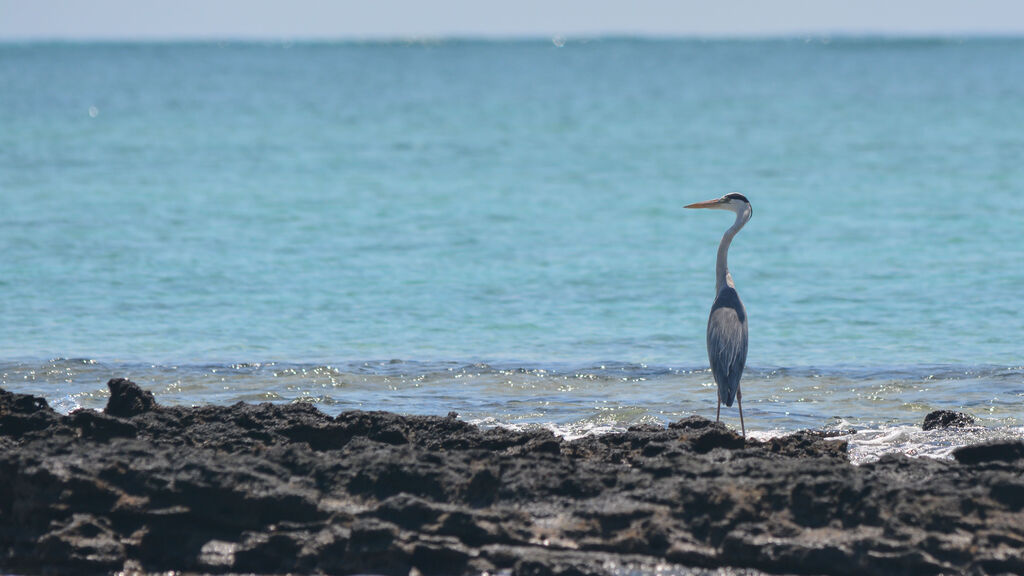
718 413
739 399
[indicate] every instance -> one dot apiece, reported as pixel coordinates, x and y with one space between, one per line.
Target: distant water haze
517 205
399 19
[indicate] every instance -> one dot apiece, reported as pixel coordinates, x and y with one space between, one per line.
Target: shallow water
884 408
226 222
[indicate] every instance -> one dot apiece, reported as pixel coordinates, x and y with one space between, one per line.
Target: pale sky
396 19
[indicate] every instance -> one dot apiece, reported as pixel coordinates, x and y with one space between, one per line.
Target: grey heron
727 324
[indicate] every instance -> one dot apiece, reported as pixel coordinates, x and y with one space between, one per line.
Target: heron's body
727 343
727 324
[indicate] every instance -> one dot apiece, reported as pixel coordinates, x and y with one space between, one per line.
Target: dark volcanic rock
127 399
20 414
946 419
997 451
285 488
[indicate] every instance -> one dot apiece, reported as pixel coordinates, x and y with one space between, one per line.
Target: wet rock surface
941 419
285 488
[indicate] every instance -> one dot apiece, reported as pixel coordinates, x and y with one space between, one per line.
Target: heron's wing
727 343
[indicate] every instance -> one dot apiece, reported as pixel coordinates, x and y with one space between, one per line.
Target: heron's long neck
722 276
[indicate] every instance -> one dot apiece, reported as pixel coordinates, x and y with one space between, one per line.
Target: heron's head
733 201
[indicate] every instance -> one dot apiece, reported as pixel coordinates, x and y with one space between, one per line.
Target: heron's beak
706 204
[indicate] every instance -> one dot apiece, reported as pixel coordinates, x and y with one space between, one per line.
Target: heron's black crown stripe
737 196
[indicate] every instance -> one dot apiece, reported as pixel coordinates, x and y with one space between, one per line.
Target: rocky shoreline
285 488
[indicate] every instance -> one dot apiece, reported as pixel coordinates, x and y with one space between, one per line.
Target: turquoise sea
497 227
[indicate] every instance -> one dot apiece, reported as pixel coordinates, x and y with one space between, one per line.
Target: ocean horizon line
558 40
